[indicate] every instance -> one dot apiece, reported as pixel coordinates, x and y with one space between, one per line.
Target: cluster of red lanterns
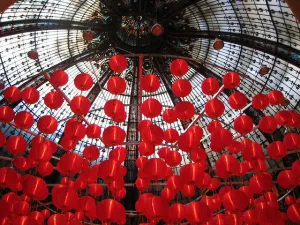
77 194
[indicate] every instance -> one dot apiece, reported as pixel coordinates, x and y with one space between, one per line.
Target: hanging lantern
83 82
151 108
268 124
169 116
153 134
260 101
80 105
173 158
59 78
171 135
150 83
264 70
93 131
7 114
30 95
218 44
231 80
91 152
118 63
276 97
6 4
146 149
53 100
109 210
226 166
12 94
16 145
156 168
179 67
214 108
181 88
157 30
47 124
185 110
142 184
210 86
116 85
24 120
33 55
197 212
243 124
113 135
88 35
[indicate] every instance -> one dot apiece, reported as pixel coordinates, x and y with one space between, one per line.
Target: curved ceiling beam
21 26
177 8
279 50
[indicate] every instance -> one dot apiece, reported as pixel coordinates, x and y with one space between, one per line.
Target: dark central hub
135 30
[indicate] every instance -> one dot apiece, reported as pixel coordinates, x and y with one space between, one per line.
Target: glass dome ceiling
255 33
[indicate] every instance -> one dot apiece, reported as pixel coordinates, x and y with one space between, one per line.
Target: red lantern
118 63
231 80
188 141
143 124
33 55
175 183
260 101
41 152
283 117
198 155
213 126
88 35
293 213
53 100
185 110
173 158
176 212
146 149
267 124
21 208
181 88
74 130
64 198
292 141
153 134
140 162
12 94
70 163
35 187
197 212
214 108
59 78
113 136
192 172
80 105
68 143
36 216
253 151
171 135
24 120
276 97
168 194
156 207
210 86
188 190
226 166
204 182
45 168
235 201
109 210
179 67
109 169
20 163
116 85
16 145
7 114
120 194
93 131
47 124
250 217
261 182
150 83
151 108
237 100
91 153
156 168
277 150
221 137
8 178
30 95
119 154
287 179
140 205
243 124
142 184
157 30
95 190
289 200
214 184
234 147
169 116
83 82
57 219
296 167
